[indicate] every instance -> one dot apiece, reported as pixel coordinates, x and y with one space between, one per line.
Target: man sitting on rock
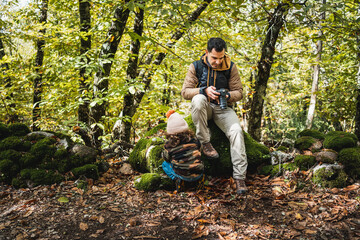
215 71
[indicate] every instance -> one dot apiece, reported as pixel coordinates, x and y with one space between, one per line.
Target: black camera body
222 98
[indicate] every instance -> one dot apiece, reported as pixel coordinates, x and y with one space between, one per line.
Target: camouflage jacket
185 158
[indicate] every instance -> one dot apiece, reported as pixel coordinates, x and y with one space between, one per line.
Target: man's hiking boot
240 186
209 151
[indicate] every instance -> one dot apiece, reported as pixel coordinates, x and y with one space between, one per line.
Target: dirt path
112 209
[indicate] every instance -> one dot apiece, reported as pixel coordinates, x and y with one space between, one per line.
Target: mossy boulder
44 148
8 170
283 149
146 155
148 182
350 158
312 133
276 169
155 130
18 129
330 176
305 162
16 143
11 154
4 131
88 170
304 143
338 140
39 177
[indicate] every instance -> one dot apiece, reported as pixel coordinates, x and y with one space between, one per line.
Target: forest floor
111 208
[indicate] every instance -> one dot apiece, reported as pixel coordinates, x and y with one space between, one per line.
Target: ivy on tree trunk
263 69
38 64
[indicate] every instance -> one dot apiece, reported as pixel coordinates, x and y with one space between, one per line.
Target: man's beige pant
228 122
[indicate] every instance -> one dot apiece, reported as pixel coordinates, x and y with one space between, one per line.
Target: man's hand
212 93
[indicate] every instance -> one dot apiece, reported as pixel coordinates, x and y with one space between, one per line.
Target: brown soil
111 208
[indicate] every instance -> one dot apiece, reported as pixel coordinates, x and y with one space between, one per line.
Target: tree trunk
85 46
268 49
101 82
124 125
316 75
129 108
357 116
38 64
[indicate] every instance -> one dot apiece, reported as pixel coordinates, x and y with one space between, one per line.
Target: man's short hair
217 43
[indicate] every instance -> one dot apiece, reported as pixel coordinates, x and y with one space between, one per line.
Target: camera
222 98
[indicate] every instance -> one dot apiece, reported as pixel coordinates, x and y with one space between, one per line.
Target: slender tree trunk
38 64
129 108
357 116
101 82
316 75
85 46
124 125
268 49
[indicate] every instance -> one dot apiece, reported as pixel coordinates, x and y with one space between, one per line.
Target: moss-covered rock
41 176
338 140
103 166
304 162
148 182
88 170
18 129
16 143
4 131
154 131
29 160
330 177
304 142
350 158
276 169
312 133
44 149
257 154
10 154
8 170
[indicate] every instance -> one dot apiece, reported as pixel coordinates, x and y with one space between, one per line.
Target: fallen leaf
309 231
63 199
298 216
101 219
351 188
297 205
84 226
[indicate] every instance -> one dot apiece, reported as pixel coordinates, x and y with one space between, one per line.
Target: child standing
181 153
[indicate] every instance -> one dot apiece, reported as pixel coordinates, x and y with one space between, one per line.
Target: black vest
202 71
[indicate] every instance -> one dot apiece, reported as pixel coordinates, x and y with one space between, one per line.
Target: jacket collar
225 65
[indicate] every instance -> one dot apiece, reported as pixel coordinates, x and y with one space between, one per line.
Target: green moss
8 170
4 131
312 133
350 158
41 176
304 142
15 143
283 149
88 170
190 123
29 160
304 162
44 149
34 137
330 178
18 183
137 158
148 182
103 166
274 169
19 129
153 131
257 153
154 160
167 184
337 140
10 154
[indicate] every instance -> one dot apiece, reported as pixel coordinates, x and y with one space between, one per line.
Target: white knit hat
176 123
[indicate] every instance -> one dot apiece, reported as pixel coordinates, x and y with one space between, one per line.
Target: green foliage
312 133
338 140
350 158
330 178
18 129
304 142
88 170
304 162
